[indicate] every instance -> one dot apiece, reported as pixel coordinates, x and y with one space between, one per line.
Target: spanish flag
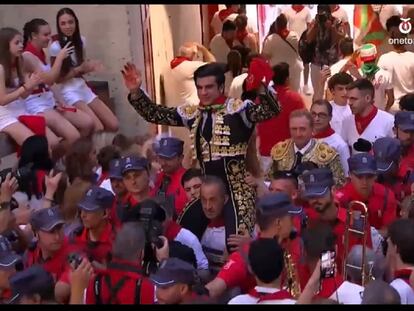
363 14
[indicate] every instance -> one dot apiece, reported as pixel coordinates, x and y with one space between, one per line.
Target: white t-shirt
188 238
339 113
337 142
280 51
341 15
298 21
401 68
381 126
236 87
406 292
348 293
250 300
382 83
219 48
179 84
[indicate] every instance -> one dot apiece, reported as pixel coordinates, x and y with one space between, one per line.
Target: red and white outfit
402 285
276 46
298 17
335 141
339 114
265 296
75 89
175 232
219 47
340 14
224 15
401 68
376 125
42 98
10 113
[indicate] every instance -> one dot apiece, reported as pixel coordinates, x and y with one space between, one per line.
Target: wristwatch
4 205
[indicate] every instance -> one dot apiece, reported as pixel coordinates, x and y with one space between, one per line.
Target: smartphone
74 260
328 266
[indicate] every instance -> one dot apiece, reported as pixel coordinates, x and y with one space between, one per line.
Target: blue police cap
96 199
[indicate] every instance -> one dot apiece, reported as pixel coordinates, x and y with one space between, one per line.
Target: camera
328 264
74 260
20 174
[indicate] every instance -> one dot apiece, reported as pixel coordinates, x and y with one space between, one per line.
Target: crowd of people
261 200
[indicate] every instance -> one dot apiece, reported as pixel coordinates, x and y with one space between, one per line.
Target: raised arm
266 109
149 110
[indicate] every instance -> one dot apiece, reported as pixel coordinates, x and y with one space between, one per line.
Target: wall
171 25
114 36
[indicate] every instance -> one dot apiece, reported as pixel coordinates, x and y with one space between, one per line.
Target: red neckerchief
241 35
325 133
40 54
223 14
279 295
178 60
172 230
283 33
216 223
336 8
403 274
297 7
217 105
362 123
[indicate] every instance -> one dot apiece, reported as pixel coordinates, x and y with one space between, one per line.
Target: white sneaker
306 90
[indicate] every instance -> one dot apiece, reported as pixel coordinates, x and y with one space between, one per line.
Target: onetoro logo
405 26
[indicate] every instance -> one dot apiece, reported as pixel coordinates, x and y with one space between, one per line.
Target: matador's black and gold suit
219 141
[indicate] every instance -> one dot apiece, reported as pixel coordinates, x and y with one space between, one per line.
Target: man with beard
319 194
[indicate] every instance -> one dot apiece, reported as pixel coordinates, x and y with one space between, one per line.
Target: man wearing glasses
321 111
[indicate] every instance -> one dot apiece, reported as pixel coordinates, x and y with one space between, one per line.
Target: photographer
326 32
8 223
123 281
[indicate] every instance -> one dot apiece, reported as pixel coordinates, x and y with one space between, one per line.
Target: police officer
96 234
50 248
115 184
404 131
381 202
168 182
136 178
9 262
387 153
174 280
33 286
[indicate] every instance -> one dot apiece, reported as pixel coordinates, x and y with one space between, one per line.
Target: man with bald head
379 292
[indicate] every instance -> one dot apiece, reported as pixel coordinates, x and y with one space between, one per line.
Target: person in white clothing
339 13
346 49
234 69
72 86
229 13
266 261
380 78
366 121
41 101
399 62
283 47
340 109
222 43
243 36
299 19
400 251
349 291
15 84
321 111
236 87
